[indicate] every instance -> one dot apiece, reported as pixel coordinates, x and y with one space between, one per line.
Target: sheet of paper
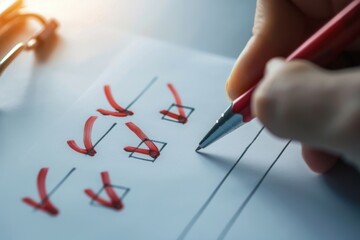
249 185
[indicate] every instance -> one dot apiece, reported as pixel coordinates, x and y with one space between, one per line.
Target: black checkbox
188 112
120 190
160 145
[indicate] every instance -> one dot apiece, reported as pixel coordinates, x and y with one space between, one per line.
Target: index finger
279 27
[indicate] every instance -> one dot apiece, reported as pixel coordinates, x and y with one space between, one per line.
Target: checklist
121 164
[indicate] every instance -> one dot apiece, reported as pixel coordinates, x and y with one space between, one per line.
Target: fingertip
229 93
236 83
317 160
249 67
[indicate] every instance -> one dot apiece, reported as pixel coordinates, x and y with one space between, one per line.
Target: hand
298 100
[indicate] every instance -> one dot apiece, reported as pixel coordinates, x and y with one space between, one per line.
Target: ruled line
107 132
142 92
248 198
192 222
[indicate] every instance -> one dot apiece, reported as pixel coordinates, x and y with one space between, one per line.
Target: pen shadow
343 180
217 159
227 163
297 198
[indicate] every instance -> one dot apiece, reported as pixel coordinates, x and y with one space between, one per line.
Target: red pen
321 48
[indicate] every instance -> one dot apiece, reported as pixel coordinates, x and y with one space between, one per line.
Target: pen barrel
329 41
242 105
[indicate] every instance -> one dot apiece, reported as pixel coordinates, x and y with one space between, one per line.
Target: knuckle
297 67
263 104
270 110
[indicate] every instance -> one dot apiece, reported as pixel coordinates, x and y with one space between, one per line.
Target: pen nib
198 148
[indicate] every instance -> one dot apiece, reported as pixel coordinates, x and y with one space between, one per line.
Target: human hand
318 107
298 100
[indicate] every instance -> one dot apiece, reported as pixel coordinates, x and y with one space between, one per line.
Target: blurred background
220 27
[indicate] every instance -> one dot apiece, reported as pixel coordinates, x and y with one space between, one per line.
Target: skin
298 100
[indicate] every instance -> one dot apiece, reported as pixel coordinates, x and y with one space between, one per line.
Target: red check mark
180 116
152 150
89 149
119 111
44 204
114 202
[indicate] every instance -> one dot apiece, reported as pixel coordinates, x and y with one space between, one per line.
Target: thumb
317 107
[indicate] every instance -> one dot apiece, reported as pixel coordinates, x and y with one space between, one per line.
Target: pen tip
198 148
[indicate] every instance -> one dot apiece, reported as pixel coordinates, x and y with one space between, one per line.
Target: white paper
248 185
